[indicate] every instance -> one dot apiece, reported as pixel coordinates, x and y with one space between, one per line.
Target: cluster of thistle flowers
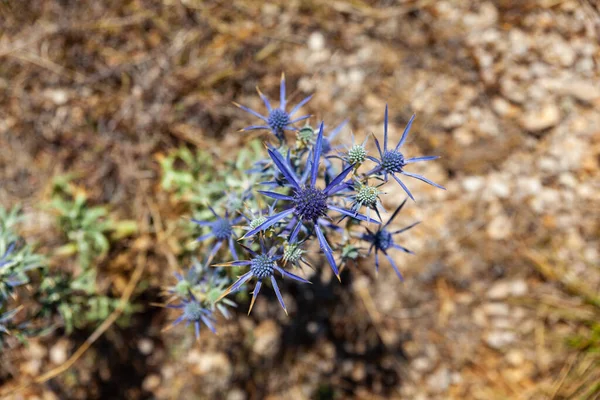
318 192
16 259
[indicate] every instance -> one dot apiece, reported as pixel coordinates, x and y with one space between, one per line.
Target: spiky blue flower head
309 203
221 229
193 312
278 120
392 162
206 284
383 239
263 266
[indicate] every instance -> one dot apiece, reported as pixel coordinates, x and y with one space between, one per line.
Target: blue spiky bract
382 240
278 119
391 161
262 267
194 312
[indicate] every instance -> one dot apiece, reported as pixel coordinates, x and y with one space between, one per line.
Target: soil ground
507 271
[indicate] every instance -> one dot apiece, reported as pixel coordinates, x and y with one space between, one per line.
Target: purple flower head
309 203
194 312
222 230
263 266
392 161
278 120
383 239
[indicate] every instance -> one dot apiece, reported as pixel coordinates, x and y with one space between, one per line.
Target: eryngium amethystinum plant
307 192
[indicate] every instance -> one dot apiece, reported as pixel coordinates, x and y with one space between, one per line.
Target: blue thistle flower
382 240
222 230
206 284
309 203
392 161
194 312
278 119
263 266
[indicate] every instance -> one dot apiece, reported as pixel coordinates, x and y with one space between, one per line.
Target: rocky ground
507 270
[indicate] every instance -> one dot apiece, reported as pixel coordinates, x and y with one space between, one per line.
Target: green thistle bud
367 195
350 252
292 253
256 222
357 154
305 136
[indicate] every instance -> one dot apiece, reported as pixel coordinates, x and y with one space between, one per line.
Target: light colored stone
500 339
236 394
473 183
499 290
453 120
518 288
57 96
151 383
501 106
528 185
267 339
422 364
504 289
499 188
58 352
316 41
540 119
496 309
213 365
500 227
439 381
584 91
145 346
515 357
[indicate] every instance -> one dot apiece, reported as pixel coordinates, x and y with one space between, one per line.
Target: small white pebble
316 41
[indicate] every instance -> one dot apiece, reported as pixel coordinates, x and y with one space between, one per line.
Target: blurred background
502 299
